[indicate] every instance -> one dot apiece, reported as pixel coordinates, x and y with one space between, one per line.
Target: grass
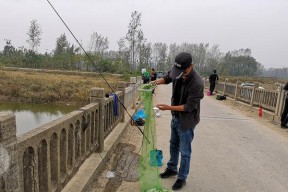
265 82
45 87
48 86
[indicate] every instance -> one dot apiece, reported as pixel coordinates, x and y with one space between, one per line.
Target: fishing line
95 67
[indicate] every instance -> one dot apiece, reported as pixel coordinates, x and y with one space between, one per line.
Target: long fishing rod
95 67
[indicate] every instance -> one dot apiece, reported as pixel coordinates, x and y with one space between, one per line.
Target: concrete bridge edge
92 166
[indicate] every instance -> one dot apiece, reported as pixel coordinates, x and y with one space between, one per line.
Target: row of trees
133 54
276 72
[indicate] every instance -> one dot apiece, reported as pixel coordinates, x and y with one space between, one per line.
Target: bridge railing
111 109
230 89
131 92
271 100
266 98
244 94
46 158
50 155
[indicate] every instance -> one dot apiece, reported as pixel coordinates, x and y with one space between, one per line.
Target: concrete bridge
47 158
234 150
231 151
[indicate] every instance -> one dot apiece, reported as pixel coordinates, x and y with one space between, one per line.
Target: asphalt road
232 151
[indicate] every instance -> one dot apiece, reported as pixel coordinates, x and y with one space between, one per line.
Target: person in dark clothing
284 117
212 80
187 92
145 76
153 75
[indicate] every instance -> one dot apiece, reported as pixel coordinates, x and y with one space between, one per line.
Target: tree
145 56
12 56
62 45
64 54
98 44
214 57
134 36
123 55
200 56
34 35
173 51
9 49
240 63
160 55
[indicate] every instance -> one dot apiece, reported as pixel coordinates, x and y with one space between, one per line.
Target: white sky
233 24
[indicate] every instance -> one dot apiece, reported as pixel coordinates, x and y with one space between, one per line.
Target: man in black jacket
284 117
187 92
212 80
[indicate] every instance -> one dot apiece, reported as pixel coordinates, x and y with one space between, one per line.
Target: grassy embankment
51 87
265 82
42 86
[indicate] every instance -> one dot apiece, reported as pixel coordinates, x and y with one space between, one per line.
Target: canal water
31 116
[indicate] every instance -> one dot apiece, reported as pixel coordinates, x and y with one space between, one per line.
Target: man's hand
159 81
171 108
163 107
153 83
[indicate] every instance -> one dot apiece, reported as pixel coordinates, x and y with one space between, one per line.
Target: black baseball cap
182 61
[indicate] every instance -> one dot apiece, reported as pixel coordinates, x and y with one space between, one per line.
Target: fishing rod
95 67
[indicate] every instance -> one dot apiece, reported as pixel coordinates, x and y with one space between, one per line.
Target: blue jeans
180 141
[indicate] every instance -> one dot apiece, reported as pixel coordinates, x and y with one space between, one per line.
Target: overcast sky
260 25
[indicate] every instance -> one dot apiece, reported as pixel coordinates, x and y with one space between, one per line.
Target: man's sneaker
178 184
168 173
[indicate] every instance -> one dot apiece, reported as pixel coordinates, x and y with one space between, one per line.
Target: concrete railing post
236 90
9 167
97 96
139 80
224 89
280 101
256 85
121 87
139 83
133 80
203 79
135 91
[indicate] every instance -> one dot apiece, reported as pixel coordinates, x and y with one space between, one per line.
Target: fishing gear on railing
95 67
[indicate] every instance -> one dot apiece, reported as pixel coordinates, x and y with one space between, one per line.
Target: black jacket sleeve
167 78
195 94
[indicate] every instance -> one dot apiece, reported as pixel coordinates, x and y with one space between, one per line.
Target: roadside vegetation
47 87
270 83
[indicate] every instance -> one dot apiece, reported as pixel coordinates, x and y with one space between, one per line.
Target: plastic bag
139 118
156 157
139 113
110 175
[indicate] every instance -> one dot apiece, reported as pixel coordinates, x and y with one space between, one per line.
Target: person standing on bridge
187 92
284 117
212 80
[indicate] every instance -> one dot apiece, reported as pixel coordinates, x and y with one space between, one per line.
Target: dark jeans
212 87
146 80
180 141
284 117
